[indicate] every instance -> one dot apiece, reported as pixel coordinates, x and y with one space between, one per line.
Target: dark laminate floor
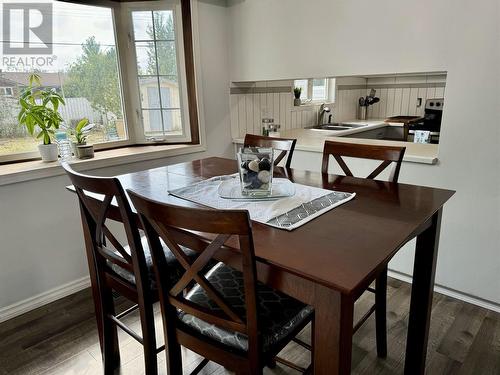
61 338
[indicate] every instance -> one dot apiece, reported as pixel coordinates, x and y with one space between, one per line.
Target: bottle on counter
274 130
64 146
267 121
267 124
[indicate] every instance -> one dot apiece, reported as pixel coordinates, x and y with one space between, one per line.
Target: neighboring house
8 87
151 100
12 83
48 80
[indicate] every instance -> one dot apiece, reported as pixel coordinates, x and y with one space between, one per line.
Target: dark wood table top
342 249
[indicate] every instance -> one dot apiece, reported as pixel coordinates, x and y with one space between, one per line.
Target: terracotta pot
48 152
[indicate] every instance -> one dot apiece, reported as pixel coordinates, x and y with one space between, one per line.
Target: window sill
310 106
33 170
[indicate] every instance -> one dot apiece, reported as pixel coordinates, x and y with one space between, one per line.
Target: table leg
332 332
421 296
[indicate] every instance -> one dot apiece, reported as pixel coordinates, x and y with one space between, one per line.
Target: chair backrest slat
174 224
285 145
112 204
388 155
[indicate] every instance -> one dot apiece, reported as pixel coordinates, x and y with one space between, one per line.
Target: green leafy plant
297 91
39 110
82 129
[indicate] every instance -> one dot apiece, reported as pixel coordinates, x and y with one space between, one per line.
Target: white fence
78 108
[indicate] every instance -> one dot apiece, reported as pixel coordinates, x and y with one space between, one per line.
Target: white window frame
133 76
329 97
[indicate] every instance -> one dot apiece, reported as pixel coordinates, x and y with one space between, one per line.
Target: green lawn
17 145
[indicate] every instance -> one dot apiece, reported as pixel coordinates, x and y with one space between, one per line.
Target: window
319 89
161 78
156 100
6 91
83 67
316 89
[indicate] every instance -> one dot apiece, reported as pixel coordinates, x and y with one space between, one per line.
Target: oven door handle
407 124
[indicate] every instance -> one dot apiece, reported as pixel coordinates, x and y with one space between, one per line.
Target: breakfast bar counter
311 140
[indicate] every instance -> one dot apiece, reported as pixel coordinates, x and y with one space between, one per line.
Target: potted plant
80 147
39 113
296 92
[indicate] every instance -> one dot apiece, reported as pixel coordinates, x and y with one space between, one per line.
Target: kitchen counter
312 140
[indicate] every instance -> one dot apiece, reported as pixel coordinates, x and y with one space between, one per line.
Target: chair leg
381 313
172 346
110 351
149 338
249 371
271 363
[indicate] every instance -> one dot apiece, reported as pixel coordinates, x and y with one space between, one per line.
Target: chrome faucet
323 110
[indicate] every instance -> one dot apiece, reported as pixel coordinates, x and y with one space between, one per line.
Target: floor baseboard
42 299
451 292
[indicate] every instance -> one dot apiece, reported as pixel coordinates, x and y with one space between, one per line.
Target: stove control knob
438 104
431 104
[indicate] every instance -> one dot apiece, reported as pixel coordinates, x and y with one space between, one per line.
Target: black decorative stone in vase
256 171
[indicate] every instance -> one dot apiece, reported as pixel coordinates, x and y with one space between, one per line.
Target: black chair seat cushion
278 314
175 270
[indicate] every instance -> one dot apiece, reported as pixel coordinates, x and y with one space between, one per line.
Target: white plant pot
48 152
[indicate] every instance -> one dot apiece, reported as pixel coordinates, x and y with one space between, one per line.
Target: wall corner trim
42 299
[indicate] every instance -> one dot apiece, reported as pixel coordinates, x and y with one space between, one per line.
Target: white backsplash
247 107
398 96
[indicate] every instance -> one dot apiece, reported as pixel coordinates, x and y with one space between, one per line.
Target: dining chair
228 316
114 267
285 145
388 155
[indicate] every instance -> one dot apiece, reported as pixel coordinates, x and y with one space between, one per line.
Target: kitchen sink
336 126
354 125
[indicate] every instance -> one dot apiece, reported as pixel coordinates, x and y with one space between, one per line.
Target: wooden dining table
330 261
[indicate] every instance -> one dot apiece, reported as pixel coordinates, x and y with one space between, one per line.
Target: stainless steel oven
430 122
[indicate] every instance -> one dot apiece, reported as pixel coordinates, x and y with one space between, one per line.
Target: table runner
285 213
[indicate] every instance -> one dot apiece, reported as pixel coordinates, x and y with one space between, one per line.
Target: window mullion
158 75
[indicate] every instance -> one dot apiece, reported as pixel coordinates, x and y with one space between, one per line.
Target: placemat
284 213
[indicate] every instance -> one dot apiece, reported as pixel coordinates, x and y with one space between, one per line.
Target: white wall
282 39
41 243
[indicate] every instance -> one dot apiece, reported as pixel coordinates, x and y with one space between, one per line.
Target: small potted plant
296 92
80 147
39 113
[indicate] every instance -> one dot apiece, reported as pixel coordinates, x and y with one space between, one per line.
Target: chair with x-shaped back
285 145
388 155
227 317
126 269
